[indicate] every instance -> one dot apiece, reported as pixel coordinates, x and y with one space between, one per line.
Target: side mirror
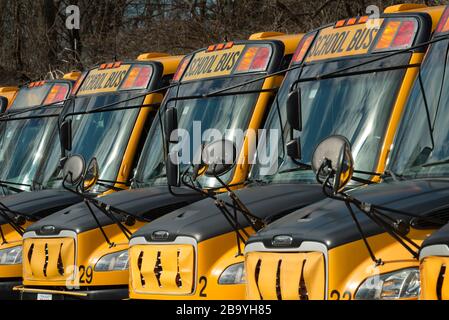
3 104
172 170
171 123
294 107
332 162
73 170
91 176
66 135
218 158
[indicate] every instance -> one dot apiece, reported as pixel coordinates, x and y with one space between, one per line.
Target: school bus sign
101 81
213 64
346 41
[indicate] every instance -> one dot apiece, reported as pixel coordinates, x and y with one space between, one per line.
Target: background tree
35 43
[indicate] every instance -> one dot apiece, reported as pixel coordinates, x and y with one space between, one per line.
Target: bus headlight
402 284
11 256
117 261
234 274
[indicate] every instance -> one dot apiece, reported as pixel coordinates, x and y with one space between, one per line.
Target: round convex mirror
73 170
219 157
333 158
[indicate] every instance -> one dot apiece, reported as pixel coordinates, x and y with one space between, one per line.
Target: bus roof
72 76
290 41
170 62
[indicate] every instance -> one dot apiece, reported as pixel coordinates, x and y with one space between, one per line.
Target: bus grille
162 269
48 259
285 276
435 278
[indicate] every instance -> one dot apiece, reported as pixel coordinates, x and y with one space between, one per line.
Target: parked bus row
283 167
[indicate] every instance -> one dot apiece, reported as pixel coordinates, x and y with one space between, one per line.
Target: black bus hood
330 223
203 220
441 237
39 204
149 203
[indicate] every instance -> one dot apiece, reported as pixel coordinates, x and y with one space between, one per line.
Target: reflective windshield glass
356 106
103 135
23 146
414 154
226 114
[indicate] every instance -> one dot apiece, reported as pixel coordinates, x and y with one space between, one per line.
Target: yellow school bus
99 249
345 87
110 130
107 118
27 131
363 243
434 253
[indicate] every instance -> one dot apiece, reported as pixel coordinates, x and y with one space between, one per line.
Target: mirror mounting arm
255 222
105 236
378 262
240 232
371 212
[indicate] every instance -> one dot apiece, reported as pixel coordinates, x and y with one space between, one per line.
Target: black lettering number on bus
203 282
233 60
372 35
86 274
335 295
221 62
342 41
354 40
211 64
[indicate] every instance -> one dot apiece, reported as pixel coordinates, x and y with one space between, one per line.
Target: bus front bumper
120 293
7 291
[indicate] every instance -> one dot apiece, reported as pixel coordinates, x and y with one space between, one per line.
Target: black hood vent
440 217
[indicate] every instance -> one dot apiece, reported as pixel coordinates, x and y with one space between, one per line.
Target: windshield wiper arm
11 186
15 225
110 185
160 176
302 167
392 174
436 163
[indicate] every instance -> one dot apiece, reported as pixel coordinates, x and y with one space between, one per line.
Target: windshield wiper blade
110 185
394 175
161 176
258 181
303 167
11 186
436 163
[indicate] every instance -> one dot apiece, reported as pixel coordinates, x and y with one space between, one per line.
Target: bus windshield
422 150
355 106
227 114
24 145
103 135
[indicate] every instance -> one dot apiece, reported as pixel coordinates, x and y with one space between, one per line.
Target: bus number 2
203 281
